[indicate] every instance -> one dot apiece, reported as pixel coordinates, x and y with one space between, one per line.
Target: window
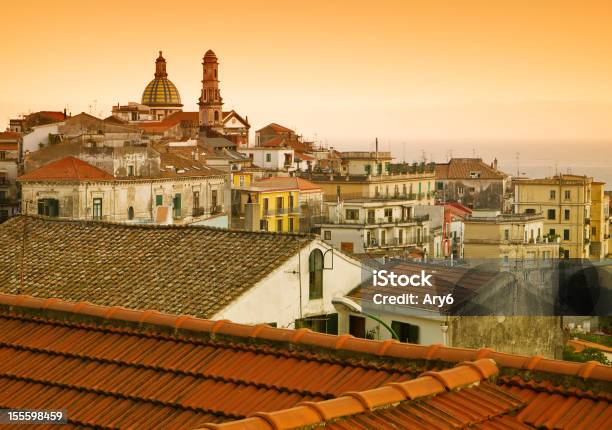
389 214
357 326
566 214
368 169
552 232
159 200
568 194
241 181
566 234
530 211
291 225
48 207
593 231
279 225
263 225
265 205
552 214
130 170
176 202
460 191
352 214
383 237
268 157
553 194
213 200
196 201
506 234
406 332
315 270
2 155
401 236
327 235
97 208
291 201
279 203
474 174
130 213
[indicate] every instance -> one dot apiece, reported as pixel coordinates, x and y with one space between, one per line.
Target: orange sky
343 70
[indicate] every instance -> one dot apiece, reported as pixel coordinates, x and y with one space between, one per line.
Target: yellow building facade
508 237
565 201
277 210
600 216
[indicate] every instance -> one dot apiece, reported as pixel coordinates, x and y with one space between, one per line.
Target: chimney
64 113
377 148
495 163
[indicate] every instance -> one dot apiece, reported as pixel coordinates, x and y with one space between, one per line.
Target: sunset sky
343 71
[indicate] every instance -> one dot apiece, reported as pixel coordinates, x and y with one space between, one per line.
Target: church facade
161 103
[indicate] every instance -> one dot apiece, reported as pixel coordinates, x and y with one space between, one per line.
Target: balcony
294 210
376 221
268 212
216 209
282 211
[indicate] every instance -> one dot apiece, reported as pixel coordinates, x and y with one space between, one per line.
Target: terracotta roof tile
67 169
287 183
55 353
460 168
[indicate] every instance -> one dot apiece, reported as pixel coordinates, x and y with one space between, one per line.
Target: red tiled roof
287 183
146 369
54 115
169 122
12 135
67 169
277 128
460 168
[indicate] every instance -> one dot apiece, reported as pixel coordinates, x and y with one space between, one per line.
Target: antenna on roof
518 170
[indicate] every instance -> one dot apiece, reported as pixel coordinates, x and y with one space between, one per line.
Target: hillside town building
182 191
251 277
566 203
374 226
473 183
9 169
509 237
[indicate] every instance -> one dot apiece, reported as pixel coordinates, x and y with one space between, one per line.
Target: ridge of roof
346 343
110 224
428 384
67 169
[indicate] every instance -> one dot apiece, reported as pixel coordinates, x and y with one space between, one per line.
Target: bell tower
211 103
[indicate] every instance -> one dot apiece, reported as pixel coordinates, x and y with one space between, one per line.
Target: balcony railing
215 210
281 211
197 212
294 210
418 220
269 212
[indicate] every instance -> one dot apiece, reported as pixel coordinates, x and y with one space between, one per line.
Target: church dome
161 91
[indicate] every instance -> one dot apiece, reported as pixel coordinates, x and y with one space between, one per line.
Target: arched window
130 213
315 270
216 116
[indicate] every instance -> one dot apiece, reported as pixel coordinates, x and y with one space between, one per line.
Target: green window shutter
332 324
413 333
159 200
53 207
41 207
